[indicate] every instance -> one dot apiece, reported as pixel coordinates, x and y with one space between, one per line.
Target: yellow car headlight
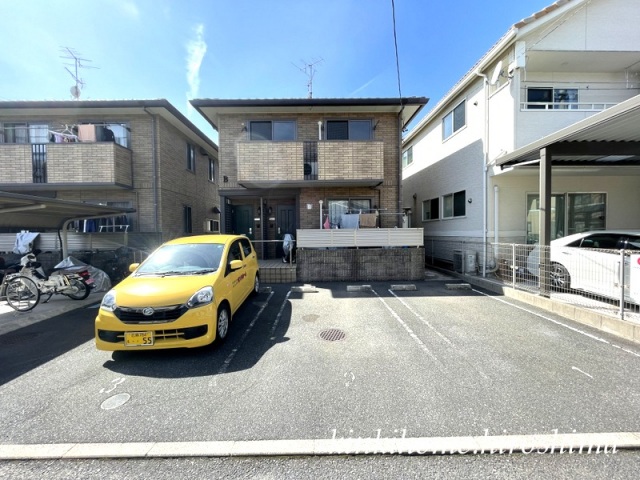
204 296
109 301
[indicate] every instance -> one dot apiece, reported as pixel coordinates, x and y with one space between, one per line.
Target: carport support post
545 220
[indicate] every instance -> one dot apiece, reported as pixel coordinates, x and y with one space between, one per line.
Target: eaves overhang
269 185
112 108
212 108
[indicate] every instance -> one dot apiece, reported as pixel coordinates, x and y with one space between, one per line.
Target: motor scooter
25 288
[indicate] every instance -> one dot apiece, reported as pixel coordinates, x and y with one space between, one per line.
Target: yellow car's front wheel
222 323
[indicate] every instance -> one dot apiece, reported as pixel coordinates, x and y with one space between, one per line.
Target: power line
395 41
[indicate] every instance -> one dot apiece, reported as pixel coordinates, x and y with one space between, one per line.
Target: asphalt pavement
333 369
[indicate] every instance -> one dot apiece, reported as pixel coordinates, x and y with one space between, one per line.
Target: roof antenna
309 71
77 63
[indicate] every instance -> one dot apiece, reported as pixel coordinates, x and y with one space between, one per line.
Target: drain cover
332 335
115 401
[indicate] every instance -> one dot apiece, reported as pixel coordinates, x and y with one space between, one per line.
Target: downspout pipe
485 162
154 164
399 217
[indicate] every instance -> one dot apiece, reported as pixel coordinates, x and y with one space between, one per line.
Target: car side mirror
235 264
133 266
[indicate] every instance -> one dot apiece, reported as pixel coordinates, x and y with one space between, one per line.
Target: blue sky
183 49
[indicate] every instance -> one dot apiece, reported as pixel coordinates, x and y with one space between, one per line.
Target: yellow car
183 295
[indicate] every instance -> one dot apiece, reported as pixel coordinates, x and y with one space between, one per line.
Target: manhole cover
332 335
115 401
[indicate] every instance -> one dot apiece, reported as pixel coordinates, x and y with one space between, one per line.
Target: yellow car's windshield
183 259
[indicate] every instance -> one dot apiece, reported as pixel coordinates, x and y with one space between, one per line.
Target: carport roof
608 138
31 212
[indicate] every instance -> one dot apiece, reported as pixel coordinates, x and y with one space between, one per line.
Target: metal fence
607 281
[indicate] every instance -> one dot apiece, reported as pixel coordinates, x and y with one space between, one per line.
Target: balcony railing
300 162
54 164
574 106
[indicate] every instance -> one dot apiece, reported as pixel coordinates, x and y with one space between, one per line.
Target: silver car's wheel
560 277
222 324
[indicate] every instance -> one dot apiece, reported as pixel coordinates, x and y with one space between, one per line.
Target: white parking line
581 371
445 339
420 343
229 358
567 443
279 316
573 329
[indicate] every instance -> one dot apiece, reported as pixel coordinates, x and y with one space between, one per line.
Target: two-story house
537 140
135 154
288 164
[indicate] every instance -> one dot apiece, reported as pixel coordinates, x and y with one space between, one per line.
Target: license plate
138 339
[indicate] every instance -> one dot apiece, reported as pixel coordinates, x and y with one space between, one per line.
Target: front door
243 220
285 223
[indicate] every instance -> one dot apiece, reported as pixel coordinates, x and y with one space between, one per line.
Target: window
570 213
246 247
25 133
113 132
431 209
338 208
348 130
454 205
212 170
186 216
211 225
191 157
585 212
533 217
407 157
454 120
277 130
545 98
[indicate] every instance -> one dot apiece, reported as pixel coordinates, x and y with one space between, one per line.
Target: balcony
305 164
53 166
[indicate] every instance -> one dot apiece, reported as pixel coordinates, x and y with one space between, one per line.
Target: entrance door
243 220
285 223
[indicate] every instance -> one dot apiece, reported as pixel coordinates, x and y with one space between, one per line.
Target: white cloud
196 50
130 9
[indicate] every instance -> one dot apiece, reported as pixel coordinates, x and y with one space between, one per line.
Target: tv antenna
309 70
71 54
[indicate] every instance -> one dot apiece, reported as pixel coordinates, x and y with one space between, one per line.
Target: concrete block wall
364 264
